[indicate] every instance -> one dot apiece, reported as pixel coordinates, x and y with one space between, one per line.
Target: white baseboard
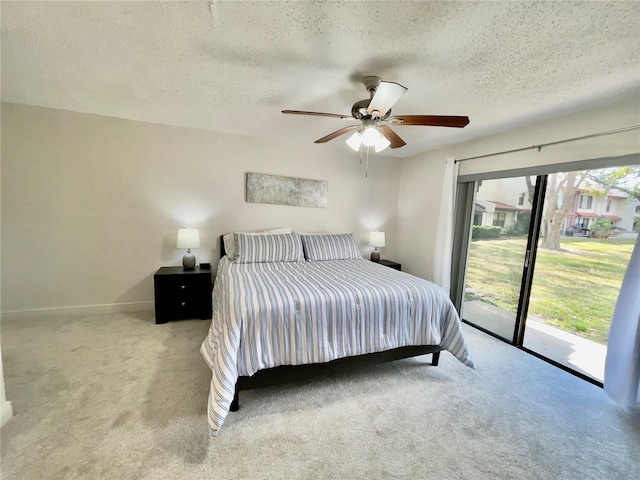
6 412
84 310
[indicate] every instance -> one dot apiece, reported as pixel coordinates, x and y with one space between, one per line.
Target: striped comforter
291 313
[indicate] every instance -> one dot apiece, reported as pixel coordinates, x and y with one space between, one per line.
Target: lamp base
189 261
375 256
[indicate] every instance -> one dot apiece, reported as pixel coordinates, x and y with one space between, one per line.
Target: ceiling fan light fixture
382 143
374 113
370 136
354 141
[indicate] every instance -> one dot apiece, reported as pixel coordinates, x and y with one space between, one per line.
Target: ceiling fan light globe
370 136
382 143
354 141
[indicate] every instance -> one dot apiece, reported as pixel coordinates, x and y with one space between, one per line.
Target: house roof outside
612 193
505 206
615 218
584 214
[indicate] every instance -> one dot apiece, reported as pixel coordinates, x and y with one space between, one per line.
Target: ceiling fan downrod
371 84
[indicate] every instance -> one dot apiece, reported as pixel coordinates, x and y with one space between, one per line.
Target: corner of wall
6 411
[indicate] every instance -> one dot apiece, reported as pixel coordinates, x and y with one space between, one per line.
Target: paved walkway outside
565 348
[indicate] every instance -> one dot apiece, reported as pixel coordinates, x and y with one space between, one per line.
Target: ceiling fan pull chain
366 169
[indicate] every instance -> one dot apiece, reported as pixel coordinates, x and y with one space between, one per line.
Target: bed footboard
291 373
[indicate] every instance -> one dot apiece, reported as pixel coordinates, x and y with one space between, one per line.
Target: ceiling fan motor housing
359 110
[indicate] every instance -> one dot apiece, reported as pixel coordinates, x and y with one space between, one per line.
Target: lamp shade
370 136
188 238
354 141
382 143
376 239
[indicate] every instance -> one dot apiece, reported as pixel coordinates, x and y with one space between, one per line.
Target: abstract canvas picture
279 190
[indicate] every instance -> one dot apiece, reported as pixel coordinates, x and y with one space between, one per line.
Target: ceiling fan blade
337 133
396 141
317 114
429 120
387 93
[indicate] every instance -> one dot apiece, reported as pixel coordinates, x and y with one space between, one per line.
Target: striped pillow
230 243
330 247
285 247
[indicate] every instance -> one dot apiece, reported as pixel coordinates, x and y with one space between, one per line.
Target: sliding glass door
585 247
497 254
545 258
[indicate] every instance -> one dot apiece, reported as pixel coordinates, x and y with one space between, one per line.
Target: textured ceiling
233 66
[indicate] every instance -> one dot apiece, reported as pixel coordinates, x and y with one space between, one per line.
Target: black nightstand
181 293
390 264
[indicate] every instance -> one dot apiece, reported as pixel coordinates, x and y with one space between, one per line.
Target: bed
286 299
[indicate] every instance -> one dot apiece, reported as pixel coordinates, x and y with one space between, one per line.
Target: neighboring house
499 202
496 213
589 206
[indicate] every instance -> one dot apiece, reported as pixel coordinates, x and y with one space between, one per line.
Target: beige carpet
118 397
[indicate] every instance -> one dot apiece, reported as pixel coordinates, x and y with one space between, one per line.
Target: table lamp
376 239
188 238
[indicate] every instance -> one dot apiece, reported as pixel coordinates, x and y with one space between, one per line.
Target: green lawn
575 289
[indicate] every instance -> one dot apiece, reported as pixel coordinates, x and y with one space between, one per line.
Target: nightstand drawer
186 307
184 285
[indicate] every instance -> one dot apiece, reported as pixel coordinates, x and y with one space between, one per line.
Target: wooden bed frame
283 373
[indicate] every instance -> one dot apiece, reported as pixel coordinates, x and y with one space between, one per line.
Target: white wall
91 205
624 208
421 178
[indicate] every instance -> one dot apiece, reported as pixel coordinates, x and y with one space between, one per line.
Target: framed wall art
279 190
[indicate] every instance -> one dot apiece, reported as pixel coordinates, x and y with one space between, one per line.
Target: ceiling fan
374 115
